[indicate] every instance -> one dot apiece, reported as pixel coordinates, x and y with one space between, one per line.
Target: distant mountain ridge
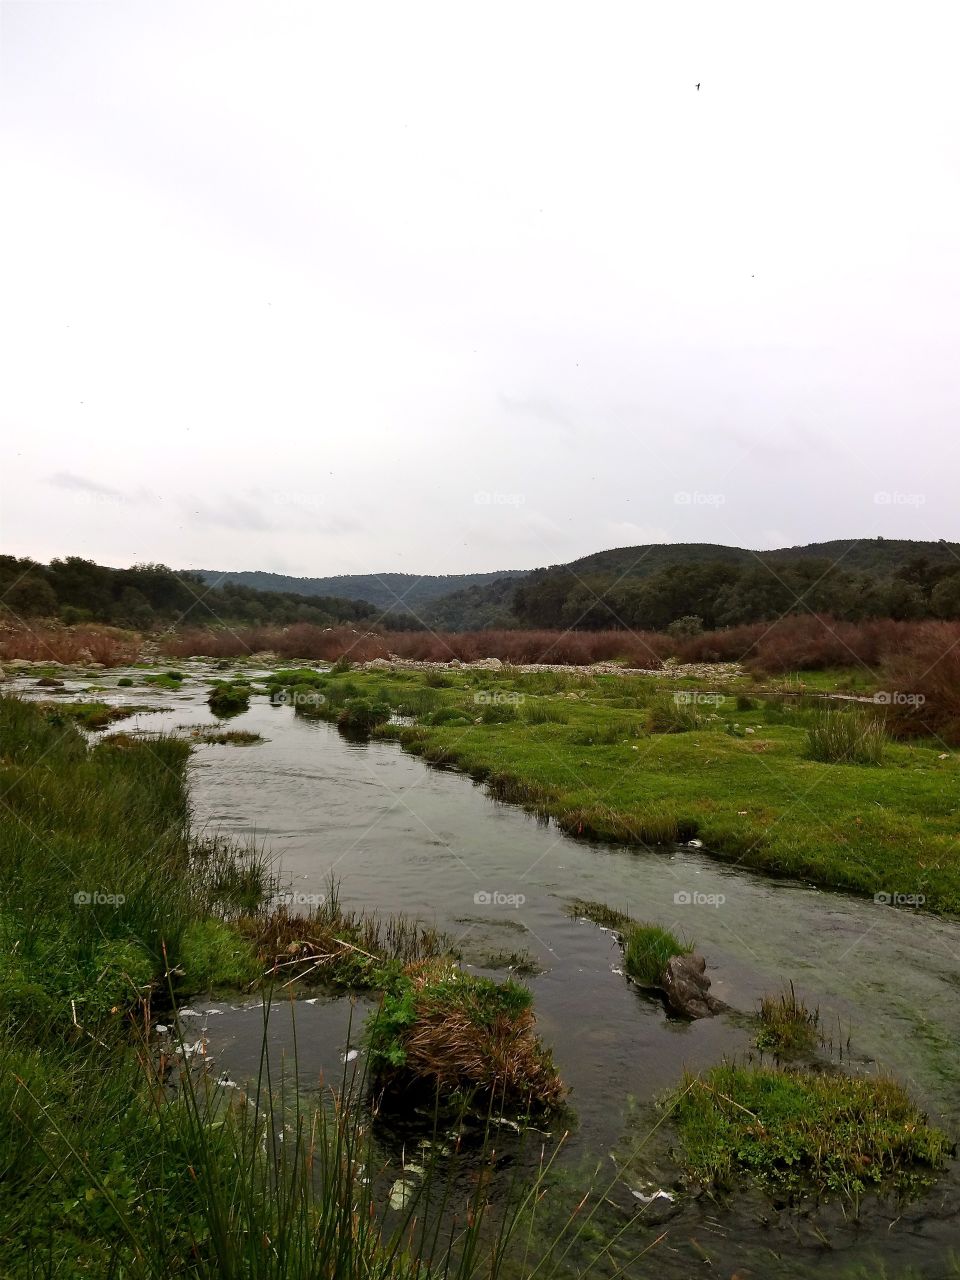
391 592
474 600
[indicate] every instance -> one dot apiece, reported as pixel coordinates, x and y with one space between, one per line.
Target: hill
389 592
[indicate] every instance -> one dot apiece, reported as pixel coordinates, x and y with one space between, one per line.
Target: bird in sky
698 86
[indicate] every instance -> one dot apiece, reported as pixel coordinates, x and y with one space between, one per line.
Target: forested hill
390 592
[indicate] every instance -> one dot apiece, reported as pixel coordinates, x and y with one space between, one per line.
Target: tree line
716 594
147 596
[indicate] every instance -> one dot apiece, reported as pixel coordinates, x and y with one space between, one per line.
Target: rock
19 664
95 666
47 682
687 987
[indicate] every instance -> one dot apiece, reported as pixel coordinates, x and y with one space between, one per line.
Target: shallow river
401 836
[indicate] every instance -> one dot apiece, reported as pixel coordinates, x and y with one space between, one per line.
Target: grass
600 913
225 737
846 737
441 1029
757 798
786 1026
229 697
646 950
89 715
110 909
802 1131
646 947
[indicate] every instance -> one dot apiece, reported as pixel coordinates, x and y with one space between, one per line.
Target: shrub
846 737
922 684
124 682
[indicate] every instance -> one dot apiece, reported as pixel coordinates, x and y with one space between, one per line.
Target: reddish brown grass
326 644
70 645
922 684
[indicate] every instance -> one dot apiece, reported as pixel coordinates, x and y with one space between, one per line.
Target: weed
787 1026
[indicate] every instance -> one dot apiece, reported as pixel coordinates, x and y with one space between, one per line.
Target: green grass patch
804 1131
754 797
229 697
646 950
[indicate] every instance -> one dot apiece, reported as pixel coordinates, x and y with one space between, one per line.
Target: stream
401 836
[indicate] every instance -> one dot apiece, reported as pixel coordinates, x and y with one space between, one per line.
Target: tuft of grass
787 1026
846 737
360 715
804 1131
667 715
599 913
225 737
229 697
646 950
469 1037
214 954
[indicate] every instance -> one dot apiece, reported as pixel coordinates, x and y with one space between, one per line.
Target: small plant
787 1026
341 666
745 703
846 737
646 950
124 683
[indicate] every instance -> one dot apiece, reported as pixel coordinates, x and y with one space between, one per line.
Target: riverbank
630 762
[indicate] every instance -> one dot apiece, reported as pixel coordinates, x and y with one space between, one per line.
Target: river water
401 836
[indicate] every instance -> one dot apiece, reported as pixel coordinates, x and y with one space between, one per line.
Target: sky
342 288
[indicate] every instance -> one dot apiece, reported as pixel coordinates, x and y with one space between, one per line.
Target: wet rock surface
687 987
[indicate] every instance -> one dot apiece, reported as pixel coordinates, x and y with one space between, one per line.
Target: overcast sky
342 287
